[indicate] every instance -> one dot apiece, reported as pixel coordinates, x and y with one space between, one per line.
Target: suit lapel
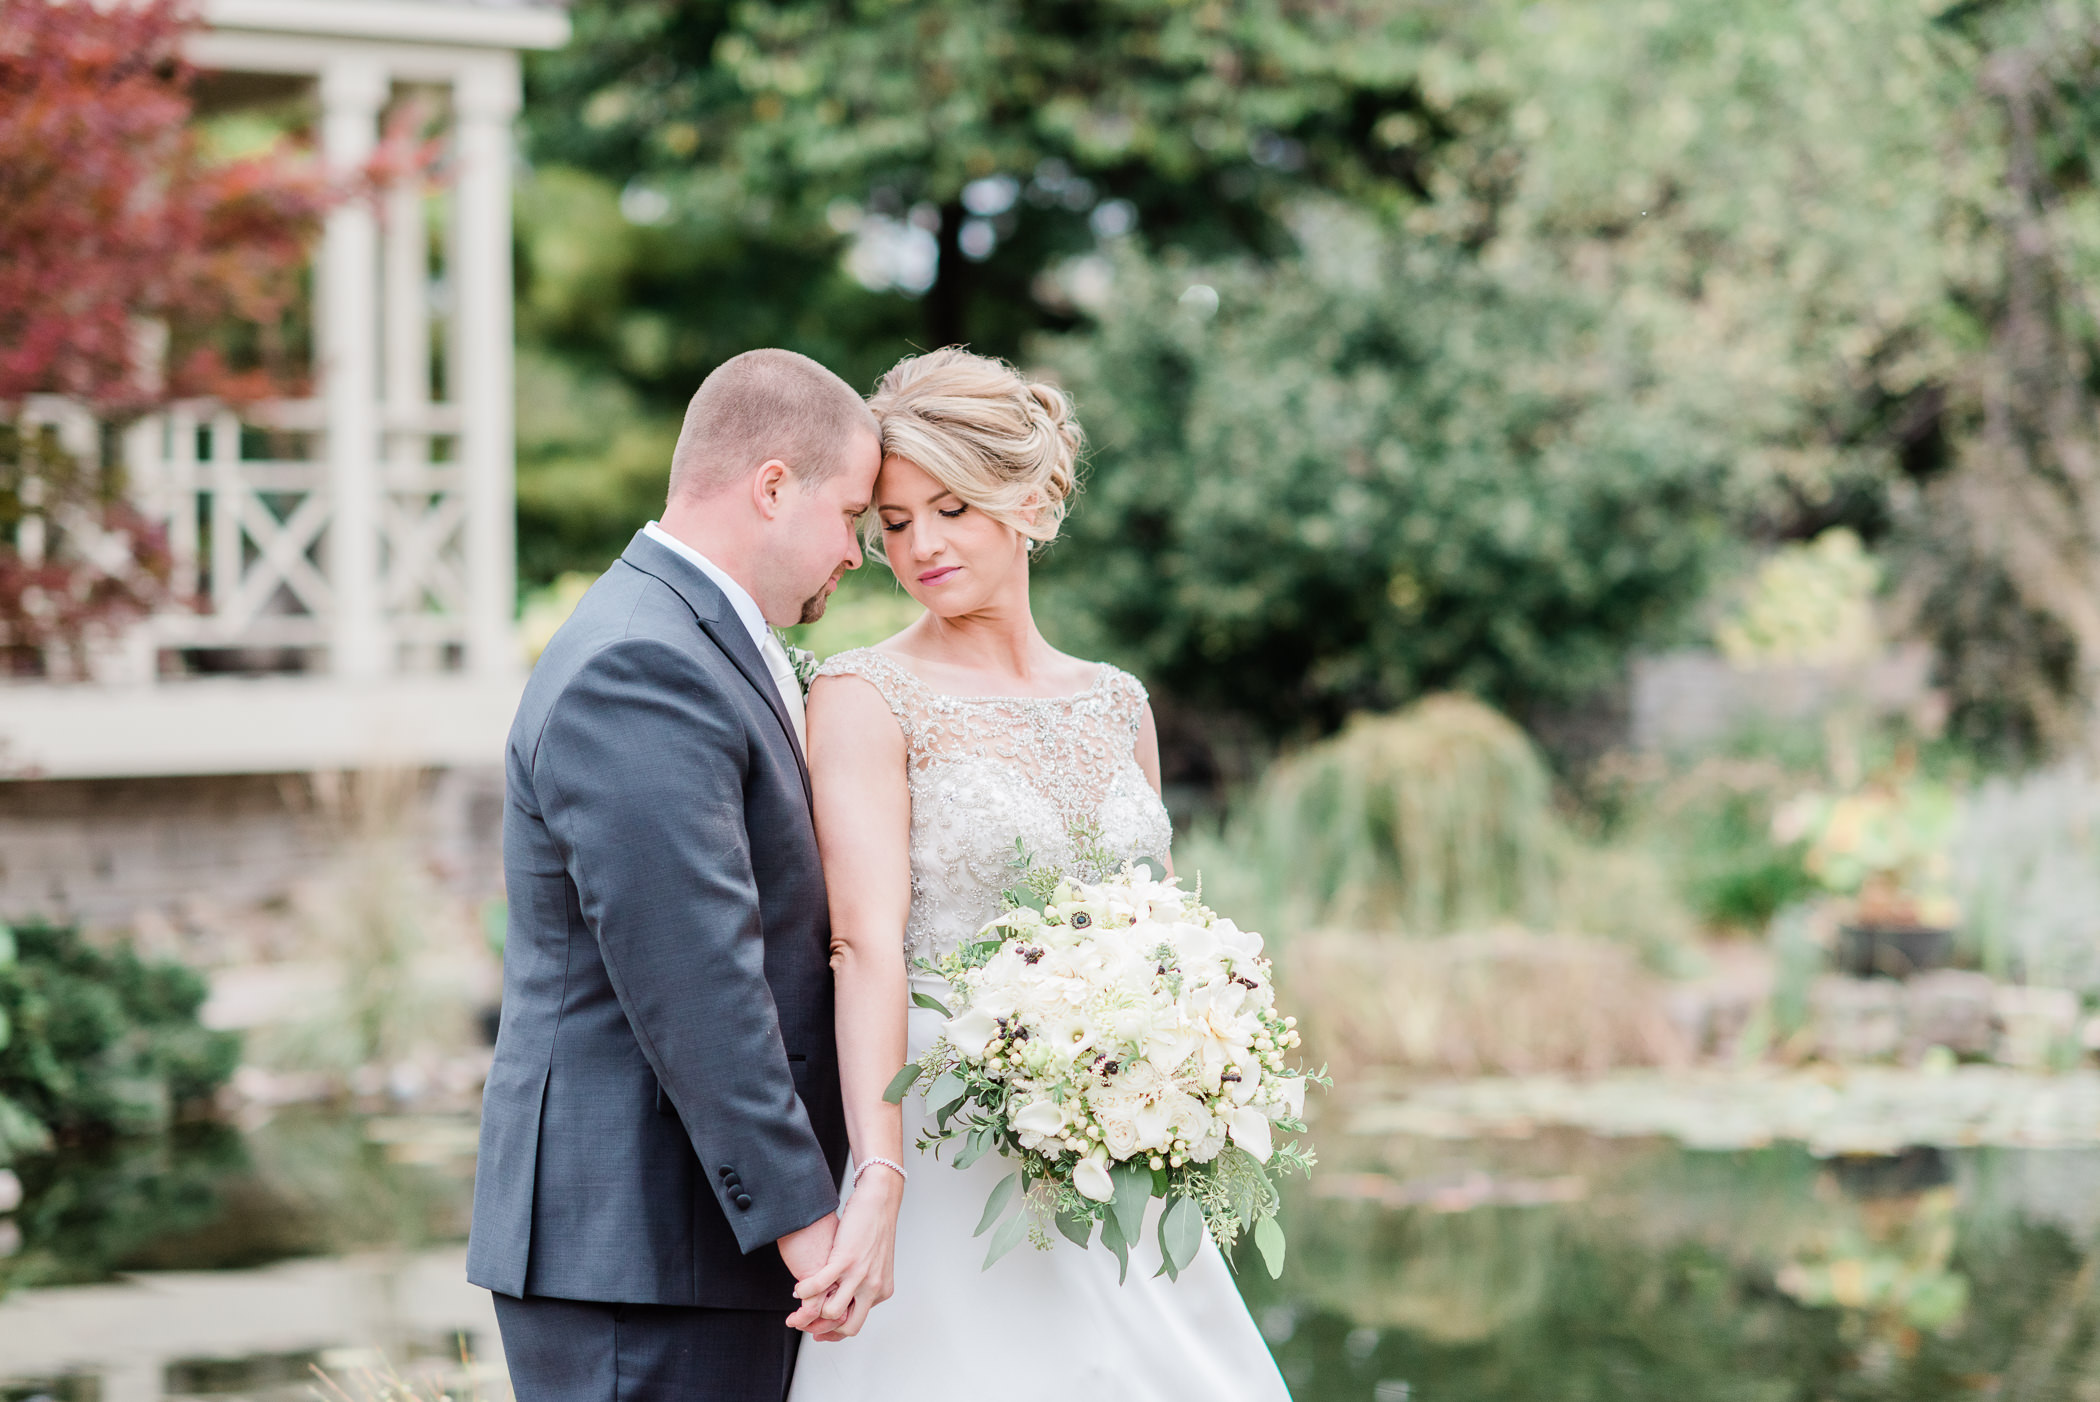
720 622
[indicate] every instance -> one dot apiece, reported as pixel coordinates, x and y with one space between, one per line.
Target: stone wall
1688 699
122 853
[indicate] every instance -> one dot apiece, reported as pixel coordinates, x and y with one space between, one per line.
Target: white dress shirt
746 607
769 647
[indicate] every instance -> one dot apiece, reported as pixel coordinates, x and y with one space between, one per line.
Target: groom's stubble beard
813 607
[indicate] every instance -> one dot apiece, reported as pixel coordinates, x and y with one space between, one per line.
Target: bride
931 753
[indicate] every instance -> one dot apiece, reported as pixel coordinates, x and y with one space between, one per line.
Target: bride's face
946 553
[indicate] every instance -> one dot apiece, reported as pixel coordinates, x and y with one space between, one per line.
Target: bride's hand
858 1275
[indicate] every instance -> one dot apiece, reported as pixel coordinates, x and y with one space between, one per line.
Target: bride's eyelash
951 515
892 527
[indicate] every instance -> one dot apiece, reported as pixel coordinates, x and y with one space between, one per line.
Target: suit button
743 1202
726 1171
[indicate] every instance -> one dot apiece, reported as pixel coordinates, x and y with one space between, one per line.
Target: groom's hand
859 1274
805 1253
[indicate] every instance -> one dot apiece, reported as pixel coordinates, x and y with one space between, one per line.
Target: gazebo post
485 100
353 88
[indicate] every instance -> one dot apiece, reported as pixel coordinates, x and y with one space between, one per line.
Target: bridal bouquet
1119 1042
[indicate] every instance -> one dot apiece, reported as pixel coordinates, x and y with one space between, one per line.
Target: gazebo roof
500 24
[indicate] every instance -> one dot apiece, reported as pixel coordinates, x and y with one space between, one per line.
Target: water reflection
1767 1274
215 1265
211 1198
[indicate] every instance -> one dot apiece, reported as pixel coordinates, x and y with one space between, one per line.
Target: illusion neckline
1102 672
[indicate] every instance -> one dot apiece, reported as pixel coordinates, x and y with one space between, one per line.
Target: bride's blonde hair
1003 443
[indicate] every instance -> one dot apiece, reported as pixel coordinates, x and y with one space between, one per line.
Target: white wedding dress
1061 776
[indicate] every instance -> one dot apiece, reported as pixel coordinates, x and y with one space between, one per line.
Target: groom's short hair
761 405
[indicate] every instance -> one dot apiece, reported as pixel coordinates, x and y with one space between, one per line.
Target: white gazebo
346 561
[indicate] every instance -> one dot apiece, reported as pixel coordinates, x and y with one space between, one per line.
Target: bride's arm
1147 753
863 813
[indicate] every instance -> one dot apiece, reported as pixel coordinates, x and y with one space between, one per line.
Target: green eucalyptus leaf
1268 1238
977 1146
1152 867
1006 1238
1002 1197
927 1000
1075 1227
1112 1237
947 1089
901 1082
1133 1184
1181 1232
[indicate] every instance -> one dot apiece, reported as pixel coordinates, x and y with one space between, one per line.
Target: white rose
1090 1177
1184 1111
971 1031
1119 1133
1155 1126
1129 1021
1250 1130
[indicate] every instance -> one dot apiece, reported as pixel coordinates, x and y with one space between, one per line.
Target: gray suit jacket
664 1102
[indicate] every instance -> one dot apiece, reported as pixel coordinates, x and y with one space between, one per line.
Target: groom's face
819 542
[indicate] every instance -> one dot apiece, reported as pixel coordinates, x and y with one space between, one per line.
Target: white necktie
787 684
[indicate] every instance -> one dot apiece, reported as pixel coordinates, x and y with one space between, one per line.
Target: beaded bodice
1057 774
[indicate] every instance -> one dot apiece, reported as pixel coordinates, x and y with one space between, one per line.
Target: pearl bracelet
898 1168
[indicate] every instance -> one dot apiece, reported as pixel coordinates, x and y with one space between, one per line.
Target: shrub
96 1043
1436 820
1339 483
1431 820
1507 1003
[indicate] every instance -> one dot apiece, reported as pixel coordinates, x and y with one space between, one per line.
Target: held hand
858 1276
805 1252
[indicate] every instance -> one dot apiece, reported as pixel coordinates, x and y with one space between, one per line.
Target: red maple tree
124 252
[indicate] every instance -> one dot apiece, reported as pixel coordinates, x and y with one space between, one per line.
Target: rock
2035 1025
1856 1019
1949 1008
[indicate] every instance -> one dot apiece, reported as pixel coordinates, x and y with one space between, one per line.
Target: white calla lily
970 1031
1250 1130
1090 1177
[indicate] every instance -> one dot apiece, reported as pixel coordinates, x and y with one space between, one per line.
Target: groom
662 1134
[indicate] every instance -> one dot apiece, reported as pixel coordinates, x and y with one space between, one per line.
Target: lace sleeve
897 687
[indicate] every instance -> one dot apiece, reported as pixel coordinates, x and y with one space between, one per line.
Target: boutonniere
802 660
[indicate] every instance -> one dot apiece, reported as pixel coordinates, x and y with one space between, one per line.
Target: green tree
1013 132
1379 470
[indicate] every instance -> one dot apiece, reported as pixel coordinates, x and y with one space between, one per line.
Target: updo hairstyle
1005 444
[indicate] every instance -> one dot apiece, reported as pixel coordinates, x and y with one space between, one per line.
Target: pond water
1554 1265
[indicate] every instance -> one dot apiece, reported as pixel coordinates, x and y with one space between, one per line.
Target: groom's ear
768 486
